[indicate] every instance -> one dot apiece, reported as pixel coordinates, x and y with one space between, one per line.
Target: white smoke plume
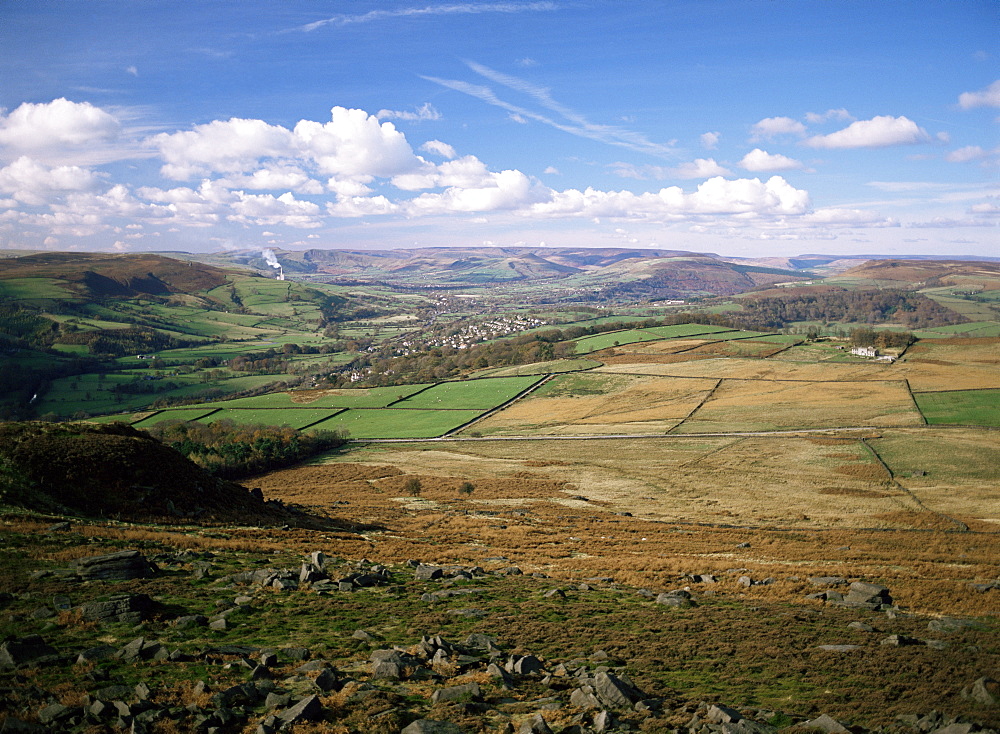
271 259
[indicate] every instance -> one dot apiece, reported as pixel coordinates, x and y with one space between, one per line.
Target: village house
870 352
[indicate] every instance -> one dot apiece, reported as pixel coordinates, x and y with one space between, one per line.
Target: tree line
913 310
234 451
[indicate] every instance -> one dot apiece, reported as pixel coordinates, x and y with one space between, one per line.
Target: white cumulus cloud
699 168
760 160
878 132
709 141
30 182
988 97
438 148
771 127
717 196
56 130
232 146
355 144
839 114
268 210
506 190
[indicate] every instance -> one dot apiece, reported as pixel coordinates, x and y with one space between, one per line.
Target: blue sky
749 128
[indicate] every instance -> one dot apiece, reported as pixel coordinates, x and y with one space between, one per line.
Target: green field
177 414
961 407
32 289
293 417
588 344
470 394
361 423
374 397
683 330
972 329
540 368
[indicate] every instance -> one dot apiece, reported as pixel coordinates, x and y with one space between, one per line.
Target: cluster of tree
124 342
19 326
143 387
234 451
261 363
882 338
906 308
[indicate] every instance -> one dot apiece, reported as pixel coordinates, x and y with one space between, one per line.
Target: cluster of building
872 353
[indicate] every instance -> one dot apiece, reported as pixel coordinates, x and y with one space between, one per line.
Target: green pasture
960 407
33 289
292 417
92 394
972 310
583 383
470 394
362 423
176 414
588 344
684 330
541 368
971 329
813 352
74 349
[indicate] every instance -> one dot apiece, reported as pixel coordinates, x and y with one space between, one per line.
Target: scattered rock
121 566
985 691
826 724
30 649
464 692
534 724
308 709
827 581
125 608
900 641
679 598
429 726
615 692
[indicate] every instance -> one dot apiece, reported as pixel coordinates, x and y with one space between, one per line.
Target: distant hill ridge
125 275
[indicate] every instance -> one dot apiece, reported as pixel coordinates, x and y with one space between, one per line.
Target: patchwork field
361 423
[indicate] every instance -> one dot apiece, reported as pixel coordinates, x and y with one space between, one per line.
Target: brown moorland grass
780 480
952 364
758 369
928 567
755 405
599 404
952 471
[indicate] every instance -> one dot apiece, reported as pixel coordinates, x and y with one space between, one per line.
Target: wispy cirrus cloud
565 118
424 112
345 19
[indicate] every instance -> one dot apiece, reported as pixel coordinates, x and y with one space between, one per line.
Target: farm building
865 351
